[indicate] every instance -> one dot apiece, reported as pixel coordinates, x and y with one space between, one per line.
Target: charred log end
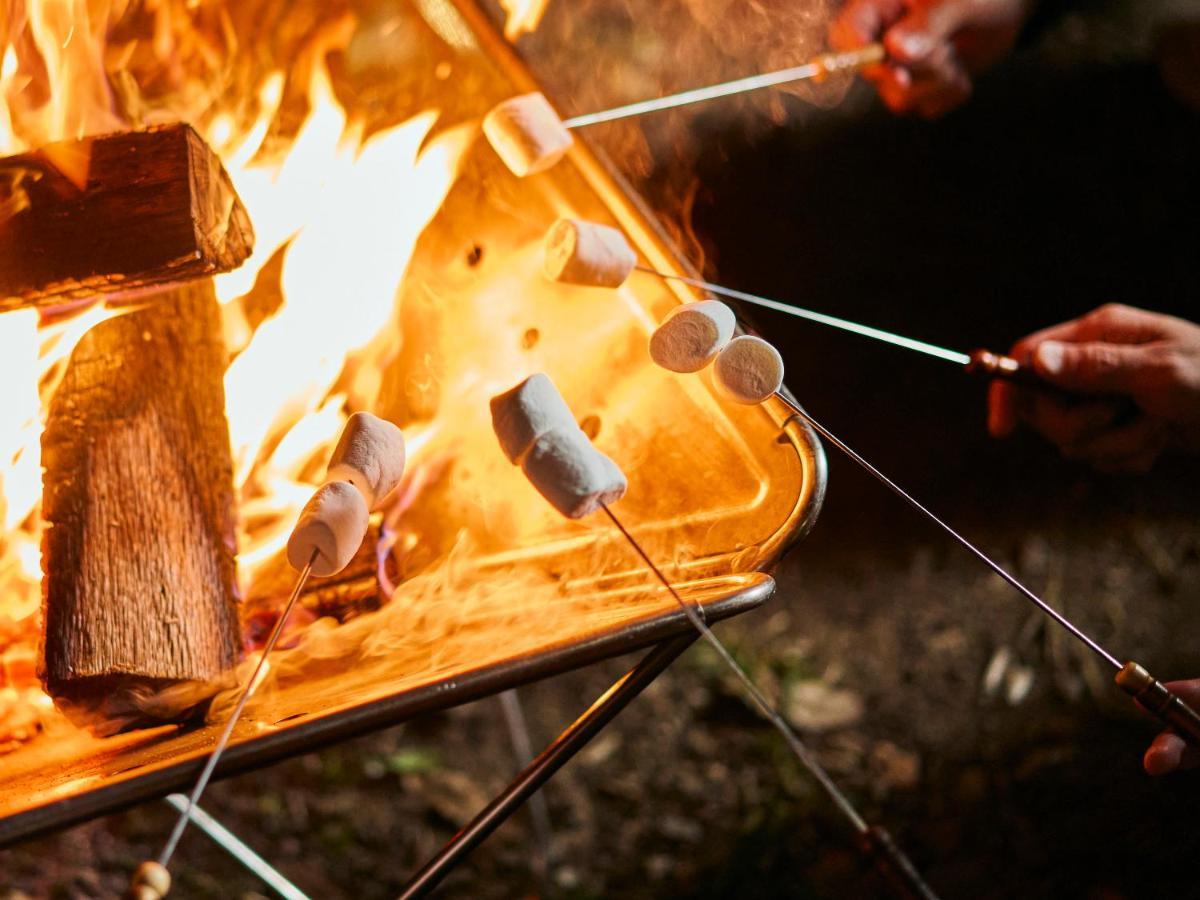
155 207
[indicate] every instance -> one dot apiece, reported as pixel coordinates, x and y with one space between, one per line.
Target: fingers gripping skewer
818 68
1131 677
748 370
528 135
978 363
366 465
577 479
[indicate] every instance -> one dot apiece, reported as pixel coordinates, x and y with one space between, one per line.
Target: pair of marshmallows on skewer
365 466
538 432
747 369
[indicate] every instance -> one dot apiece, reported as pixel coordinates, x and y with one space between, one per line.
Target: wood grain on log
138 495
117 212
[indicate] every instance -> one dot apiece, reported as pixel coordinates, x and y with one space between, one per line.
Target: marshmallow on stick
333 523
588 254
692 335
527 134
748 370
538 432
370 456
572 474
521 415
366 465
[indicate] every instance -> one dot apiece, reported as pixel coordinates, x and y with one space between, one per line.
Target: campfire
227 228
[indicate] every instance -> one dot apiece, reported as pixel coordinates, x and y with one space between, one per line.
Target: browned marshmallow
333 523
527 134
691 336
586 253
748 370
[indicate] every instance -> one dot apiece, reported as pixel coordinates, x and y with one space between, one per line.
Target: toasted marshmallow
748 370
527 134
589 254
572 474
370 456
521 415
333 523
692 335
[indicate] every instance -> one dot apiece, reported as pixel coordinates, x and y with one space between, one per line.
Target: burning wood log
117 212
138 496
140 593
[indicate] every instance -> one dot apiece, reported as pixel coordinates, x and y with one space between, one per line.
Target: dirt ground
989 742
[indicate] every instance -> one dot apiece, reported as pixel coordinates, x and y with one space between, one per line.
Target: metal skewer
1131 677
875 841
235 847
817 68
206 774
982 363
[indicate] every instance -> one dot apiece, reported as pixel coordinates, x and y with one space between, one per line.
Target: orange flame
523 16
343 210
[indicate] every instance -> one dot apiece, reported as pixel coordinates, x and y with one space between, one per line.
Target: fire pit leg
566 745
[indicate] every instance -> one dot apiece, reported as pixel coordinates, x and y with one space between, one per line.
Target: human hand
934 46
1117 355
1169 752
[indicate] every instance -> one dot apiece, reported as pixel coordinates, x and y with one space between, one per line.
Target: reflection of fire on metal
396 268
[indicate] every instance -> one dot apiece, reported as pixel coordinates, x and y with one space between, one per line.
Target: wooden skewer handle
986 364
1156 697
896 868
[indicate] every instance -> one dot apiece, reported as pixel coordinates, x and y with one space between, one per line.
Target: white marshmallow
586 253
692 335
369 455
748 370
522 415
333 523
572 474
527 134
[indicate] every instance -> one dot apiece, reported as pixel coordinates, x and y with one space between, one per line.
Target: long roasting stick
817 68
875 840
978 362
206 774
1131 677
537 431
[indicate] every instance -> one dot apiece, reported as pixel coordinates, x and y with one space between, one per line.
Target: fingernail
1049 356
915 46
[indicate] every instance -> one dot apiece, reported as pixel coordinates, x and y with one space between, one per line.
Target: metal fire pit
733 486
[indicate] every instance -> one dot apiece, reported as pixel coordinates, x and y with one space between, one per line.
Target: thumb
915 38
1092 367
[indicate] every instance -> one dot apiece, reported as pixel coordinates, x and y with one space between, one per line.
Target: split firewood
140 595
116 213
140 610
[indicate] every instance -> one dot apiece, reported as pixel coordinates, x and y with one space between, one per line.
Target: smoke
595 54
